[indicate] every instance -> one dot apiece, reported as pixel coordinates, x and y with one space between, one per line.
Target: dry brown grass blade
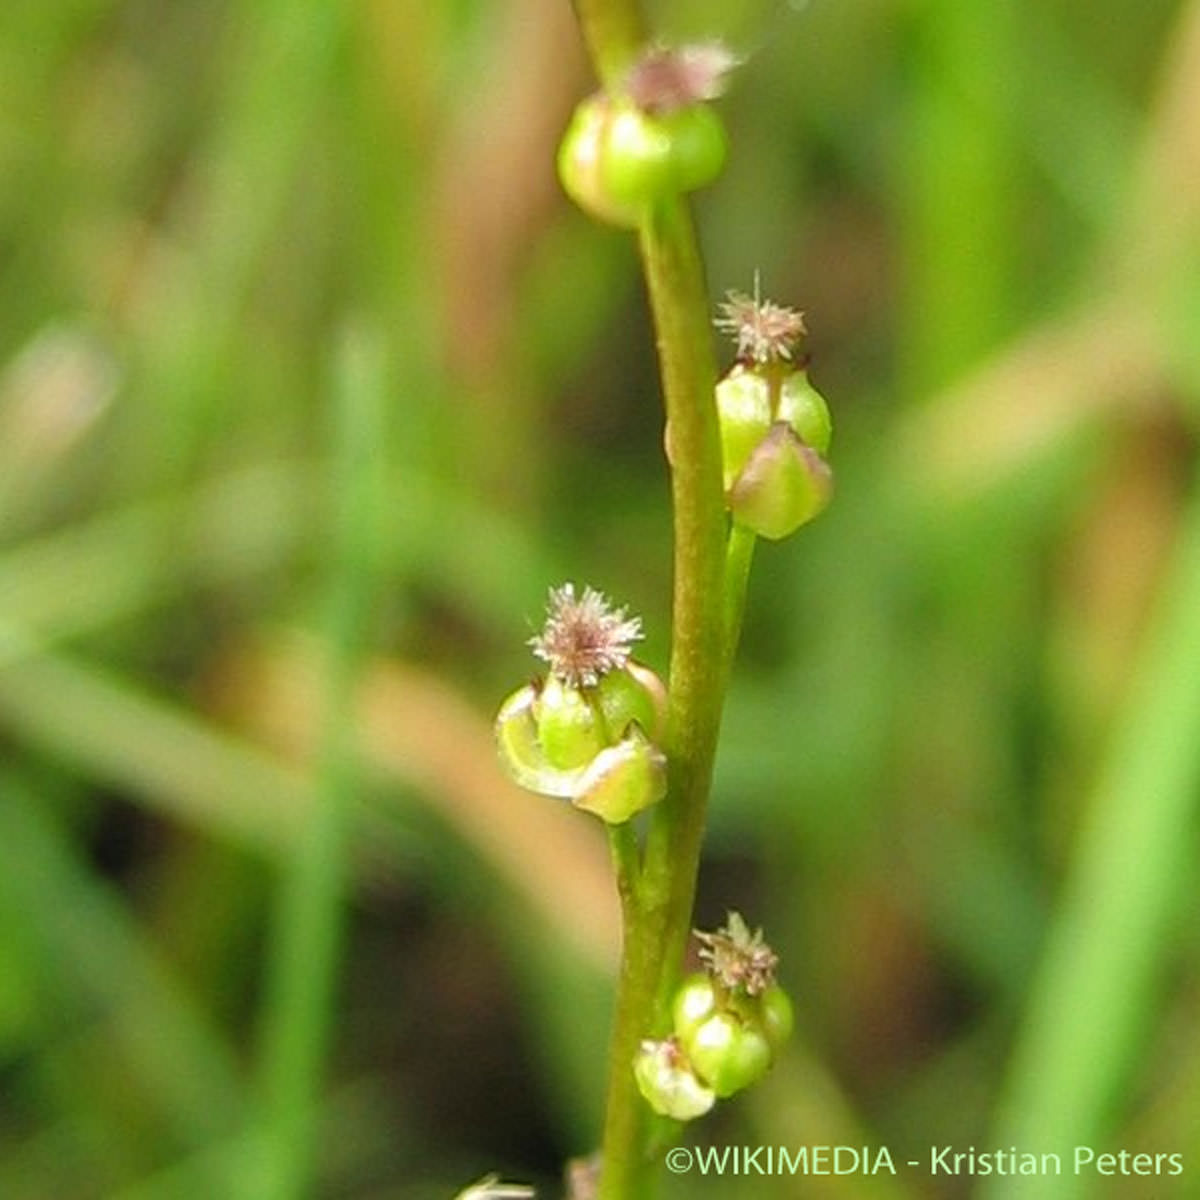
417 730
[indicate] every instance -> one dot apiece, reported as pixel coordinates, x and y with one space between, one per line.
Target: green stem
656 928
613 31
739 555
308 923
657 911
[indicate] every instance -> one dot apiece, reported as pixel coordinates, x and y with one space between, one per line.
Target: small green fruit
776 1015
581 166
728 1053
698 145
694 1003
570 729
744 411
633 693
668 1083
783 485
805 410
623 779
616 160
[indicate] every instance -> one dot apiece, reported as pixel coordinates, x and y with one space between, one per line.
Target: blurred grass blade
1095 999
299 1005
93 959
116 564
143 746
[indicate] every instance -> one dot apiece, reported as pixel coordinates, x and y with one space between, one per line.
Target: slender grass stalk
613 30
308 923
709 596
1096 993
739 556
657 926
87 944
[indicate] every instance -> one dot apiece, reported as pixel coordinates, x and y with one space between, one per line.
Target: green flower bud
783 485
727 1053
668 1083
616 159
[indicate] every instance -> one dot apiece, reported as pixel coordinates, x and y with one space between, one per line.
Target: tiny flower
586 638
739 960
666 79
764 332
588 731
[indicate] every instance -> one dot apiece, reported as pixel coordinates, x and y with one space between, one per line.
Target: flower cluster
587 732
728 1024
775 426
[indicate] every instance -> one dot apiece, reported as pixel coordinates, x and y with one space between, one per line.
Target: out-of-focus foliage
312 383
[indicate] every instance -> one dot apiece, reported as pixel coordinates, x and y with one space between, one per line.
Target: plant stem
657 907
613 31
739 555
656 928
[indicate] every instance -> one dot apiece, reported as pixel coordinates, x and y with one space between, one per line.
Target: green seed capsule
581 169
728 1053
521 750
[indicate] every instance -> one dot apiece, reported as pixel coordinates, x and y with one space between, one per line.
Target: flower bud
667 1082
